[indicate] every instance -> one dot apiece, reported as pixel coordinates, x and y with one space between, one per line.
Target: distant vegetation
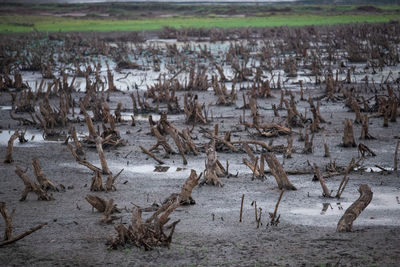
25 17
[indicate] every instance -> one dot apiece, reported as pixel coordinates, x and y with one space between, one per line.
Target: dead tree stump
185 196
10 148
348 136
278 172
325 189
364 131
103 161
212 169
97 182
346 222
149 233
31 186
78 145
111 180
45 183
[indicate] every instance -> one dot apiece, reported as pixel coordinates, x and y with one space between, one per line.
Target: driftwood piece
44 182
363 149
149 233
218 139
346 222
325 189
8 239
83 162
278 172
253 142
31 186
151 154
348 136
10 147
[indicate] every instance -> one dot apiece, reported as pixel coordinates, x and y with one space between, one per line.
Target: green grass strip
20 24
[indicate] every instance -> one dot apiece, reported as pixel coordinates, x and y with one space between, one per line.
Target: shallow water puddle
5 108
145 117
385 204
32 137
155 170
376 169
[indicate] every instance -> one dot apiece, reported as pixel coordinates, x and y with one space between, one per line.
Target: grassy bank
19 23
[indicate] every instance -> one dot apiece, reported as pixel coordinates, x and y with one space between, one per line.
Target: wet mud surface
209 232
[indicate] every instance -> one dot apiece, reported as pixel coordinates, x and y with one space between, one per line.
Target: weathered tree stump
308 142
78 145
185 196
364 131
325 189
111 180
212 168
348 136
278 172
97 182
346 222
31 186
10 147
45 183
103 161
289 149
149 233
